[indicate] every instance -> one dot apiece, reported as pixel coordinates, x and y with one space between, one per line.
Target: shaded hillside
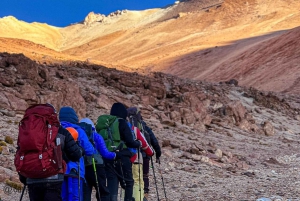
210 133
271 65
268 62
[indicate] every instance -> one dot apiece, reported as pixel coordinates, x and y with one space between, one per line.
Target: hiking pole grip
22 192
154 178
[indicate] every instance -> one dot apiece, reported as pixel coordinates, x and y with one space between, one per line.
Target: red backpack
39 153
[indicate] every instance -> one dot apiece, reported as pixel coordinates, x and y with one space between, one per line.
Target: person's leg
104 192
70 189
36 191
88 185
146 168
64 191
112 179
127 172
73 192
138 192
53 191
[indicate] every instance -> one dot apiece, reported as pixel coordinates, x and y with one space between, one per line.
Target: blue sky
64 12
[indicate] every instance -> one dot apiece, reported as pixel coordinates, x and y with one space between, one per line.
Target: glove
22 179
158 155
118 156
140 143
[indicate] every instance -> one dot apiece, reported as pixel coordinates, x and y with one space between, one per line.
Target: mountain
191 39
217 81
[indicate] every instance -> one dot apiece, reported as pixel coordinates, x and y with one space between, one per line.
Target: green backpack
108 127
89 132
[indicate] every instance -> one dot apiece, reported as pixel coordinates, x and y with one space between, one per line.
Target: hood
68 114
119 110
88 121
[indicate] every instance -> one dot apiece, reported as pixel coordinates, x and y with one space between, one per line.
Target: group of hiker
60 157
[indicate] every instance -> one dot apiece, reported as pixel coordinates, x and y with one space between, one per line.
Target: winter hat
119 110
68 114
88 121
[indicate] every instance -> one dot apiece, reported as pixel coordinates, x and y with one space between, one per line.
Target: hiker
74 176
137 120
137 161
117 135
96 177
40 122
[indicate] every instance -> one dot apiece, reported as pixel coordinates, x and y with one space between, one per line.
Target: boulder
268 128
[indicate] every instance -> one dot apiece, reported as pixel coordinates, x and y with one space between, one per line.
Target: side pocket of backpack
58 156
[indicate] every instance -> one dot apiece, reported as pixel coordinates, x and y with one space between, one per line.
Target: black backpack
90 134
136 120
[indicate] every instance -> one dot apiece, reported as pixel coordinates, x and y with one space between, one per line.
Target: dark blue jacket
153 141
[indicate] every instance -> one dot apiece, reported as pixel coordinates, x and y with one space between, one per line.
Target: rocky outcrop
93 17
28 83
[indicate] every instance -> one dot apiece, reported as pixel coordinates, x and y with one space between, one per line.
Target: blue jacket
101 147
84 143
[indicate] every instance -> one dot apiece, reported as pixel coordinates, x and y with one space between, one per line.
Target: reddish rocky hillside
217 138
253 41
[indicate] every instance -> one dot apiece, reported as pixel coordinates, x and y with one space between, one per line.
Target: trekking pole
154 178
162 179
97 184
140 189
79 193
22 192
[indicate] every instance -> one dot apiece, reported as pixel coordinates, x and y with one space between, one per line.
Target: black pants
115 170
146 168
45 191
91 182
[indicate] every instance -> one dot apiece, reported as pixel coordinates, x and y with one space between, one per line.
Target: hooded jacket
68 118
136 119
145 148
119 110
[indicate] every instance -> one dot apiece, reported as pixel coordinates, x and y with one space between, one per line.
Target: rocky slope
220 141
